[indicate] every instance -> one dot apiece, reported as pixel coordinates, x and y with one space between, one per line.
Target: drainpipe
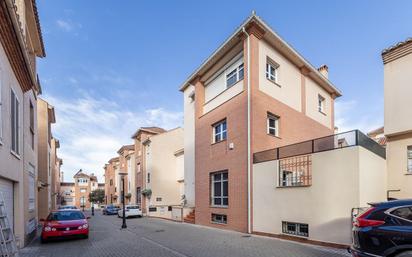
249 223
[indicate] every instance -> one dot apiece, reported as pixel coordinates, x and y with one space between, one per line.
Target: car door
403 216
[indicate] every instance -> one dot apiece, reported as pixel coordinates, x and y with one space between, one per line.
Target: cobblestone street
157 238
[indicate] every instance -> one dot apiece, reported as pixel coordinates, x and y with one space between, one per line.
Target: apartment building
45 118
67 193
232 111
110 189
84 184
163 170
139 137
20 44
397 62
55 164
124 172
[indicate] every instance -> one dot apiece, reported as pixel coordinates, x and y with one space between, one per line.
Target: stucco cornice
397 51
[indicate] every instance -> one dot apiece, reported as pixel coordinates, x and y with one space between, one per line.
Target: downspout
249 223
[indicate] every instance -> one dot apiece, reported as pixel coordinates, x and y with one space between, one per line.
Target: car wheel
86 236
405 254
43 241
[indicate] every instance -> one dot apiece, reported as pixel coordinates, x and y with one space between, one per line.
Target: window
138 196
219 131
111 182
410 158
403 212
15 124
192 96
83 190
219 189
297 229
272 70
219 218
31 125
32 185
148 177
234 76
273 125
138 168
158 199
321 104
295 171
82 181
115 189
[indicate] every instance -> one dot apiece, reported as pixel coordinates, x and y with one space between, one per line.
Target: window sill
15 154
215 143
274 136
219 206
274 82
218 223
408 173
293 186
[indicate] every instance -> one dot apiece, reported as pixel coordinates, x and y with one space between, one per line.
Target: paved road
149 237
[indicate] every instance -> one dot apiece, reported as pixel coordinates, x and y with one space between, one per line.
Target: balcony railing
332 142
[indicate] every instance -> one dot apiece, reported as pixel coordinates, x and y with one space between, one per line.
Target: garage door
6 189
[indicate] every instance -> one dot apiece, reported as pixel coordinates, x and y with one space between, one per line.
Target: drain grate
246 236
160 230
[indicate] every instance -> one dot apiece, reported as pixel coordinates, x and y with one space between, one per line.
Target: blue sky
111 67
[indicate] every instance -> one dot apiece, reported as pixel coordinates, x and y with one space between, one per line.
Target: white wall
288 90
189 146
326 204
313 90
397 92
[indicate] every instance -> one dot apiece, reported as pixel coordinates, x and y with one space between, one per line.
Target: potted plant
147 192
128 195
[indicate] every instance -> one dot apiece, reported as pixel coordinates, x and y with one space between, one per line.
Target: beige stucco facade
164 169
20 45
338 185
397 121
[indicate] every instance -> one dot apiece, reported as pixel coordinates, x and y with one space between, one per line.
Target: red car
65 223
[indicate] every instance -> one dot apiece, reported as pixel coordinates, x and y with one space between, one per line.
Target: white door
6 189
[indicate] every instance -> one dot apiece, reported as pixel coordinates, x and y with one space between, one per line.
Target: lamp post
123 174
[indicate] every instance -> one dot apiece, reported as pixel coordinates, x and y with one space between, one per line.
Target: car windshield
65 215
132 207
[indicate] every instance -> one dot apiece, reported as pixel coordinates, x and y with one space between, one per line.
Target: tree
96 196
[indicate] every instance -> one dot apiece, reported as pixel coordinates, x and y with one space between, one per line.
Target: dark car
110 210
384 229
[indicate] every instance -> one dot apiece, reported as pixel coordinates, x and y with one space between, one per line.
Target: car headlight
53 229
47 229
85 226
80 227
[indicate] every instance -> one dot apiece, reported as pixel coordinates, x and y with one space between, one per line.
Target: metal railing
332 142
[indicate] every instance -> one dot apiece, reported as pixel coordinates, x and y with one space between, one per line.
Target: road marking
164 247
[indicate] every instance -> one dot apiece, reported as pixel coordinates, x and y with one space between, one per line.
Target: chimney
324 70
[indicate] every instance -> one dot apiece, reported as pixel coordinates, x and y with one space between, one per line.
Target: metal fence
336 141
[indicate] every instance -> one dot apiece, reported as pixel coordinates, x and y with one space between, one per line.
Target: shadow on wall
336 231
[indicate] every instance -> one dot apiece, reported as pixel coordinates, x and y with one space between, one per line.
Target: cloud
91 130
67 25
349 116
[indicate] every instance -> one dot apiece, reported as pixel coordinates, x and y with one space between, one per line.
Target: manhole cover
160 230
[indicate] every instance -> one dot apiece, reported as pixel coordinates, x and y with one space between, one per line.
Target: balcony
332 142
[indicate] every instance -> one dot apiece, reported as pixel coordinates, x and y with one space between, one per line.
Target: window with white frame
219 218
273 125
32 185
31 125
321 104
272 70
409 155
219 131
219 188
15 124
148 177
234 76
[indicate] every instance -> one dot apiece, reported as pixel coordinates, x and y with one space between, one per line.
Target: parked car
64 223
384 229
130 211
110 209
68 207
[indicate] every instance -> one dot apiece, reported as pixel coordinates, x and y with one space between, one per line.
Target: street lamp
123 174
